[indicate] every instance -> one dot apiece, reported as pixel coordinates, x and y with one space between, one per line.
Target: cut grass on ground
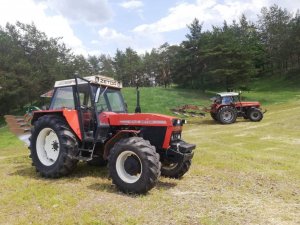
244 173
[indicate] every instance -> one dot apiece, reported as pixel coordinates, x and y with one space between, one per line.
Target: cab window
63 98
84 95
115 101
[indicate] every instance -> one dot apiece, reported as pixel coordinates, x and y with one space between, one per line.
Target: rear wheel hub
47 146
227 115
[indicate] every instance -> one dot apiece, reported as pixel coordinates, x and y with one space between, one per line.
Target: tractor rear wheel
255 115
175 170
53 147
134 165
227 115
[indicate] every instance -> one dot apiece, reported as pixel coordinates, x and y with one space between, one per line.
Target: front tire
255 115
134 165
53 147
175 170
227 115
214 116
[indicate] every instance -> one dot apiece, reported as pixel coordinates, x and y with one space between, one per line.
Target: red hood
136 119
244 104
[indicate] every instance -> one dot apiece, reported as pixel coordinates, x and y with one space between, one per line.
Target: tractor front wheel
227 115
175 170
53 147
214 116
255 115
134 165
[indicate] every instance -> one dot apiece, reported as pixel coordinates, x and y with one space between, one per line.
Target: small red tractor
227 106
88 121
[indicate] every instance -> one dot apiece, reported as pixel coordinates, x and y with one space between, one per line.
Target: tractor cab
226 98
87 98
81 93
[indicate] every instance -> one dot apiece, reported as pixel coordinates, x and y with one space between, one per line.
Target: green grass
161 100
244 173
274 91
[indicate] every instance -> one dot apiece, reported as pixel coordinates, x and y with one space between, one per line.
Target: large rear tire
227 115
175 170
53 147
134 165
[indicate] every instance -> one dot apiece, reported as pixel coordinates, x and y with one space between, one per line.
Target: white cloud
138 41
111 34
132 4
27 11
211 12
89 11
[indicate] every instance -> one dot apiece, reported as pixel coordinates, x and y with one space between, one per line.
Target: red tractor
227 106
88 121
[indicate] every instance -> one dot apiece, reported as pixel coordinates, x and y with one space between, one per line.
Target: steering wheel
102 107
85 107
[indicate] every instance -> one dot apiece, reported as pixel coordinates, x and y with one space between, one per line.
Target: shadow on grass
82 170
206 122
161 185
212 122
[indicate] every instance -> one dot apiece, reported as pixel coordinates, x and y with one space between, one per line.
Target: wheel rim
47 146
227 116
129 167
170 166
255 115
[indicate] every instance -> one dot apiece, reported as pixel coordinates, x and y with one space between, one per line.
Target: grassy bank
160 100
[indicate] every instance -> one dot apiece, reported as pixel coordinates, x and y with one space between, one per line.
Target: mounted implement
88 121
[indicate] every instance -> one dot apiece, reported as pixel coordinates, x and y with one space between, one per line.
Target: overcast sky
101 26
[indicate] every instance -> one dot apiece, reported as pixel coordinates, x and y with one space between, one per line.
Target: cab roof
226 94
96 79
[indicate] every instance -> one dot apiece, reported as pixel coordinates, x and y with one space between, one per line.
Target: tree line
227 56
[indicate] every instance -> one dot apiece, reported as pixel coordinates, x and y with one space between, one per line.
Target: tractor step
85 150
89 139
82 158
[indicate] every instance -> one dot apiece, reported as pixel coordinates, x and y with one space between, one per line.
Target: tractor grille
156 135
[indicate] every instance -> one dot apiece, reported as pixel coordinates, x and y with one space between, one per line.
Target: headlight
175 136
177 122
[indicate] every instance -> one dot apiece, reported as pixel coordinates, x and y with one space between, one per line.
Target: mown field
244 173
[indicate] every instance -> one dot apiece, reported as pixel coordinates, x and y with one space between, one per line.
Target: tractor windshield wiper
102 93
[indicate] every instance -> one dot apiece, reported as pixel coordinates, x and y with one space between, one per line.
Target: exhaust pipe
138 107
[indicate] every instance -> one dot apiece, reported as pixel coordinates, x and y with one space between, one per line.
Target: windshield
111 100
